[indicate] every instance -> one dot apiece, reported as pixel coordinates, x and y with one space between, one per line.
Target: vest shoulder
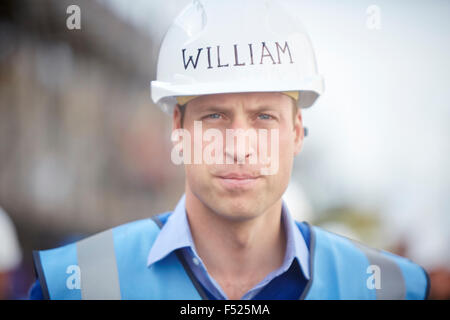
400 277
54 265
132 228
339 241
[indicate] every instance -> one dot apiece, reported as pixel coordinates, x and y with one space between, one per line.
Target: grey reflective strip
391 277
312 254
157 221
98 268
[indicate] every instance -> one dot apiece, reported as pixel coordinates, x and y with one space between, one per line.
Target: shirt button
196 261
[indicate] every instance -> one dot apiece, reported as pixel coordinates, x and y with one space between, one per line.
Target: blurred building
82 148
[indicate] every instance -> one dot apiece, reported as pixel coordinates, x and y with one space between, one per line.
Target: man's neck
237 254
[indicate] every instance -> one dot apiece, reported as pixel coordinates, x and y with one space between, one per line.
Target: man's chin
236 207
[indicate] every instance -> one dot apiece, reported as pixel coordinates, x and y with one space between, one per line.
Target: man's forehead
227 99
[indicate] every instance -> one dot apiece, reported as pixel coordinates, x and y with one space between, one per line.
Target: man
240 70
10 256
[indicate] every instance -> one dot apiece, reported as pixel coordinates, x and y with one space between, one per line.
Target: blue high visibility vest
113 265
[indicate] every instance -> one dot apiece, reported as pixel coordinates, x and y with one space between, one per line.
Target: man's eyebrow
264 106
212 108
267 107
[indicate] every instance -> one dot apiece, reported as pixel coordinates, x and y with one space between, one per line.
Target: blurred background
83 148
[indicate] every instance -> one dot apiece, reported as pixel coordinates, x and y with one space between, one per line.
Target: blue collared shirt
176 234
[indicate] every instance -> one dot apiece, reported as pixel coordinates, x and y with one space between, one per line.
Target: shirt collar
296 247
176 234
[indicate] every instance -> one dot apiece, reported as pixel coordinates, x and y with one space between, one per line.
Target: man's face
240 190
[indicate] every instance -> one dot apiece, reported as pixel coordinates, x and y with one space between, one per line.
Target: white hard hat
10 252
230 46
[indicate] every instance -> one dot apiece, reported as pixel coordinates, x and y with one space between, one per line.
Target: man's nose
240 141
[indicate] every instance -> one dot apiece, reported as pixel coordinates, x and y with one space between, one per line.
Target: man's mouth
238 180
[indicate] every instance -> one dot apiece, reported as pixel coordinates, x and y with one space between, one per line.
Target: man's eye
264 116
213 116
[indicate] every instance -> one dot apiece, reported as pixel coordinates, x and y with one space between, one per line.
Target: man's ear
176 118
299 133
